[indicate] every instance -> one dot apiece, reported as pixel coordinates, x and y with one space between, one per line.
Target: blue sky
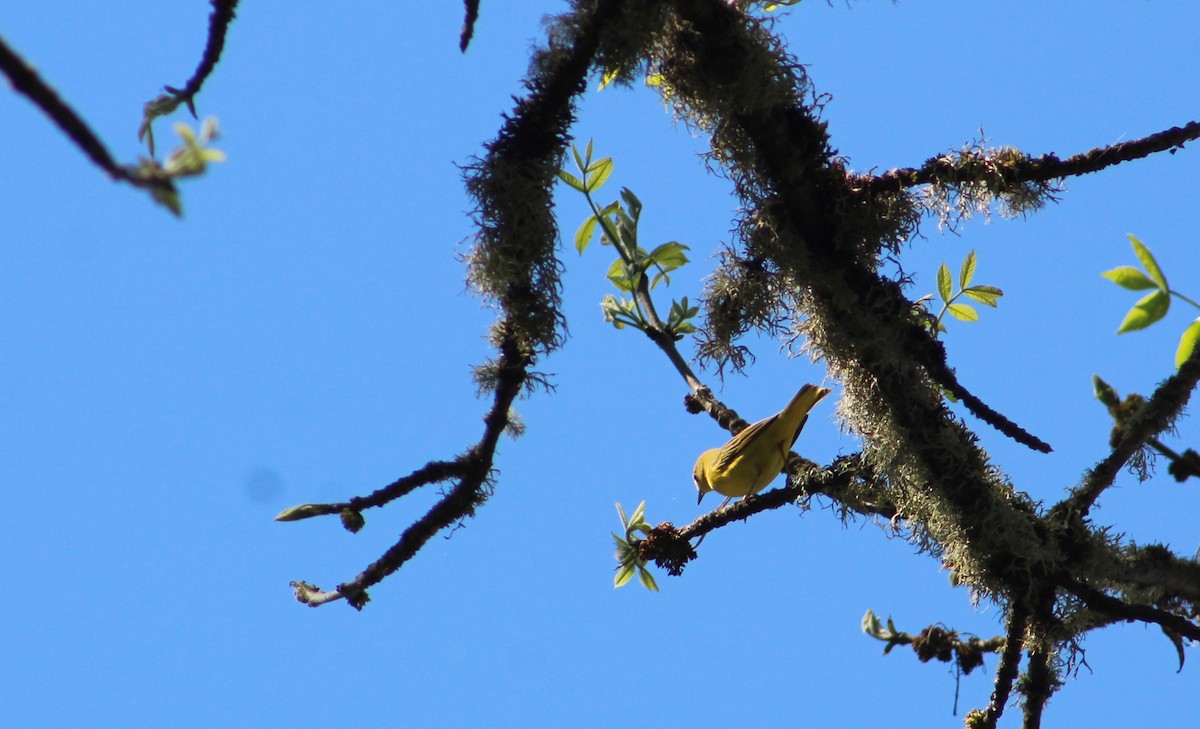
304 334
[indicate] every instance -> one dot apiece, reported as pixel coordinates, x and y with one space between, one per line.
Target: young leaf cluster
988 295
190 159
1153 306
627 549
631 271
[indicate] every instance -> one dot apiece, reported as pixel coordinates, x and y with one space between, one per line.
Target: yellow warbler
754 457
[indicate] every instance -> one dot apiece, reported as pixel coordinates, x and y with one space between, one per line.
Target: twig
1046 167
1039 684
1155 416
1007 669
1100 602
470 491
468 29
432 472
218 26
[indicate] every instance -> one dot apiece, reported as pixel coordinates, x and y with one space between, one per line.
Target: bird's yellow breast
747 473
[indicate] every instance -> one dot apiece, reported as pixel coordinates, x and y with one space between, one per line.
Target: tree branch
218 25
1105 604
26 81
1007 669
1040 169
1039 684
1155 416
513 264
844 481
468 29
432 472
472 490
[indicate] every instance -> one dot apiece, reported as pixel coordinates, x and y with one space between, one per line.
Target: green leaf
963 312
871 624
635 205
669 256
571 180
624 574
968 270
626 233
1145 312
621 512
597 173
1104 392
579 160
984 294
943 283
624 553
618 274
583 236
647 579
680 313
639 514
185 132
1187 343
1130 278
1147 258
168 197
609 229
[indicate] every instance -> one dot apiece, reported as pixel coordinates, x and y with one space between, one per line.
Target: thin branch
149 175
1102 603
993 418
1183 465
26 81
1155 416
471 490
1007 669
514 265
1039 684
1044 168
936 642
658 333
432 472
218 25
1156 567
468 29
843 481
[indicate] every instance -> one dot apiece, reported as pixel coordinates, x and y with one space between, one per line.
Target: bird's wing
799 428
737 444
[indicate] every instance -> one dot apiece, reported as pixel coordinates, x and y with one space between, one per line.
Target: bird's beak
700 496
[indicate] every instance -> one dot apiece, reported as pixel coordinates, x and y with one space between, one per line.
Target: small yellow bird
754 457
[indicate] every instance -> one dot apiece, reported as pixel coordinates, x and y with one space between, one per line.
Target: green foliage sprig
627 549
618 224
988 295
190 159
1153 306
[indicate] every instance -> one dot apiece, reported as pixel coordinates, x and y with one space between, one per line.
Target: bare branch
149 175
218 26
468 29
